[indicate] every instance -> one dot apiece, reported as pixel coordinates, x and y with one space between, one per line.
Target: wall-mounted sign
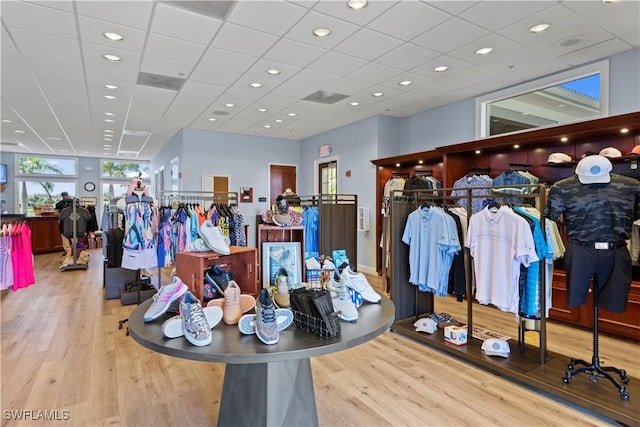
325 151
246 194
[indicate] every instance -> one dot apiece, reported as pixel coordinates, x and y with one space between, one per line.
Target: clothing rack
74 240
184 196
407 303
514 166
479 170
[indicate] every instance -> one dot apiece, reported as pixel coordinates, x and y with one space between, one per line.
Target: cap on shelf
496 347
559 158
594 170
610 152
426 325
635 151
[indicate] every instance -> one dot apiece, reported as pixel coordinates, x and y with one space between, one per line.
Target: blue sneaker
356 298
266 322
247 323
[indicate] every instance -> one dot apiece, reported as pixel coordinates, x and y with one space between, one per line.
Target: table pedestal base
268 394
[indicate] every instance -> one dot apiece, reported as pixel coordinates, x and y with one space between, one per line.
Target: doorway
281 177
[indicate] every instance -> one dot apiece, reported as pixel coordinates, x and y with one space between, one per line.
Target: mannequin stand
594 369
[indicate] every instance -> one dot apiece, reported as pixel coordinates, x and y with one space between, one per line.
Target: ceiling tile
43 20
29 41
183 24
600 50
633 38
432 89
193 87
367 44
337 63
593 10
303 30
416 18
253 14
227 60
494 15
453 7
165 67
376 73
525 63
310 78
136 14
621 22
174 49
454 64
213 76
416 81
450 35
407 56
289 90
346 86
243 40
93 53
294 53
471 76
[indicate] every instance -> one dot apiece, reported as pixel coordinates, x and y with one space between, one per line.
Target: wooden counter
45 234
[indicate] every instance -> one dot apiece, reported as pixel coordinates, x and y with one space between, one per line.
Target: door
281 177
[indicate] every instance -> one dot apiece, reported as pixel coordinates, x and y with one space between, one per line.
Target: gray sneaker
266 321
194 322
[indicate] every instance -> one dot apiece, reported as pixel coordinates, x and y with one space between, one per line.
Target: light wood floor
62 350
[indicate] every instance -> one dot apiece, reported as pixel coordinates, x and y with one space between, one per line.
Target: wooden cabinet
45 234
274 233
242 263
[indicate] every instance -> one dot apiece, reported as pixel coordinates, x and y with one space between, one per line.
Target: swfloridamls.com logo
36 414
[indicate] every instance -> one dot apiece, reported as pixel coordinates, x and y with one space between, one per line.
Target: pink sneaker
163 299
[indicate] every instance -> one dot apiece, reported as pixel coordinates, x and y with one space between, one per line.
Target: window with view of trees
115 173
37 190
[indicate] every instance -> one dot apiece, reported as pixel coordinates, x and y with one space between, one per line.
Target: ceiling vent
220 113
142 133
323 97
159 81
213 9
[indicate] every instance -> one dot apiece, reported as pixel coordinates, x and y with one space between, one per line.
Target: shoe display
247 323
283 284
195 327
172 328
231 310
266 322
341 299
356 298
198 245
218 278
214 239
358 282
163 299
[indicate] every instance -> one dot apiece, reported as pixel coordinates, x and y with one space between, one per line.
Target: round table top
229 345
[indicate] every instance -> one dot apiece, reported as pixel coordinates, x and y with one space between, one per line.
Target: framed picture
281 255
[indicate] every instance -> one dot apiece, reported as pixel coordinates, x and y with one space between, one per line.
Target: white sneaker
247 323
172 328
214 239
358 282
342 300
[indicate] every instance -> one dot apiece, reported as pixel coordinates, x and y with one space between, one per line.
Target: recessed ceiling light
107 146
18 131
212 119
405 83
478 151
109 114
256 85
7 121
230 105
63 151
539 28
321 32
397 165
54 138
291 114
110 57
113 36
111 87
357 4
108 131
109 121
377 94
564 139
262 110
354 104
484 51
267 126
110 97
279 120
624 130
562 105
516 146
273 71
420 162
440 68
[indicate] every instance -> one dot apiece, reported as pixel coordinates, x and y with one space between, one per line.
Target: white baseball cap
496 347
426 325
612 153
559 158
594 170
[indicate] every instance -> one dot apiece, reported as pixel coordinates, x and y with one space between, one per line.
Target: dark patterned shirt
596 212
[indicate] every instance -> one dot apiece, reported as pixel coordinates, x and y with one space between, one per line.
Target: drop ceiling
183 67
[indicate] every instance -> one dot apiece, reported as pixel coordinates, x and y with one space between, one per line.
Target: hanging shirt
310 219
477 203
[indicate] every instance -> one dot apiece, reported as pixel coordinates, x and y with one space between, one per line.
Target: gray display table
265 385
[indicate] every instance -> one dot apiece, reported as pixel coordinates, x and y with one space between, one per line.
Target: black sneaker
218 278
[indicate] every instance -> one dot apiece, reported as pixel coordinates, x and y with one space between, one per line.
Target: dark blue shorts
610 269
